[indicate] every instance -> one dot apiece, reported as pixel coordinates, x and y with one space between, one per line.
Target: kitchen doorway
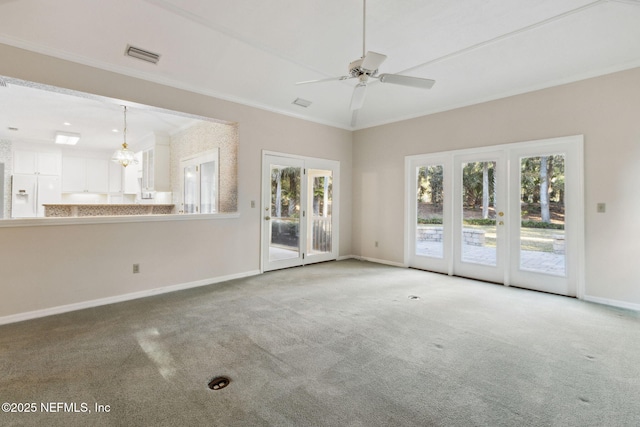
299 210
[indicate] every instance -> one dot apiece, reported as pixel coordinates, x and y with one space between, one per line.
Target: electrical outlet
136 268
601 207
253 203
376 243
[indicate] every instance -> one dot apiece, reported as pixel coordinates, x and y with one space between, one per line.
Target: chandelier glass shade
124 156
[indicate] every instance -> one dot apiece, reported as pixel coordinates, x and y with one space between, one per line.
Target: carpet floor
333 344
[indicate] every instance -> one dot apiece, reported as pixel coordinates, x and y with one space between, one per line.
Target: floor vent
219 383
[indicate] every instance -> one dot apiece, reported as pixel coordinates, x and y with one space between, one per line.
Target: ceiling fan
366 68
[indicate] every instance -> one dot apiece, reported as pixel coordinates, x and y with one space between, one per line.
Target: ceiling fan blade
372 61
330 79
357 100
397 79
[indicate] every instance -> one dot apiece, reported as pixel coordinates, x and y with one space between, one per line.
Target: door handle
267 218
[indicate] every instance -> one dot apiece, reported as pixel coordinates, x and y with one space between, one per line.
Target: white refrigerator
30 192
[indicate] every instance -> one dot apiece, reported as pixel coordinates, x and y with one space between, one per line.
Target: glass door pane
319 228
208 187
190 189
517 213
429 211
479 217
542 214
479 231
285 212
300 211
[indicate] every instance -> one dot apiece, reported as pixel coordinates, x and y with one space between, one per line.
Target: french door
299 210
200 183
479 208
510 214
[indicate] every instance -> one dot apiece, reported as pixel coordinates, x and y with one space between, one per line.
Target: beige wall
605 110
49 266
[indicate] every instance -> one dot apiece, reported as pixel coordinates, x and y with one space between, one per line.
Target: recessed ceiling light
67 138
114 130
301 102
67 124
145 55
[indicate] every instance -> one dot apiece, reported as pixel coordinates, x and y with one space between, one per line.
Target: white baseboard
120 298
612 302
381 261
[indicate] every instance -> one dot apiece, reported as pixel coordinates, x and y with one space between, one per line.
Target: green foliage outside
541 194
429 220
546 225
285 193
492 222
285 190
430 184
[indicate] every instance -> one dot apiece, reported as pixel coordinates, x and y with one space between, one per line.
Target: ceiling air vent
301 102
145 55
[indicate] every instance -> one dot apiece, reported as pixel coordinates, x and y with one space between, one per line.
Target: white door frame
490 273
572 146
440 265
573 282
307 163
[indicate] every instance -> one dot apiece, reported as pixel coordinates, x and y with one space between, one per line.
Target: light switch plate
601 207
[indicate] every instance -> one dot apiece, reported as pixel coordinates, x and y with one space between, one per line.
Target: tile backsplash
203 137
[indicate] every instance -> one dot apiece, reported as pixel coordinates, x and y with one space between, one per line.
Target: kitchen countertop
105 209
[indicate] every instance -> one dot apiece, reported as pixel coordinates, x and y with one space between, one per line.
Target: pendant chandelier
124 156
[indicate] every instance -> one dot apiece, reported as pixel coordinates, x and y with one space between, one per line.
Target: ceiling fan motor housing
356 70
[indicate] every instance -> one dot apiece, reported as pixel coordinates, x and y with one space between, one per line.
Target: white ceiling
253 51
33 115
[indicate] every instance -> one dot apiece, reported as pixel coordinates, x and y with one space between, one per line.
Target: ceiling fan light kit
367 67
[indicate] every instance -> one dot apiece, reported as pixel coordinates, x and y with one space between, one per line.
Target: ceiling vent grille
301 102
145 55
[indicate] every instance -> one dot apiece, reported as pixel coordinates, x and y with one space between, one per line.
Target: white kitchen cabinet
115 177
156 174
97 175
123 180
85 175
148 169
36 163
130 184
73 174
